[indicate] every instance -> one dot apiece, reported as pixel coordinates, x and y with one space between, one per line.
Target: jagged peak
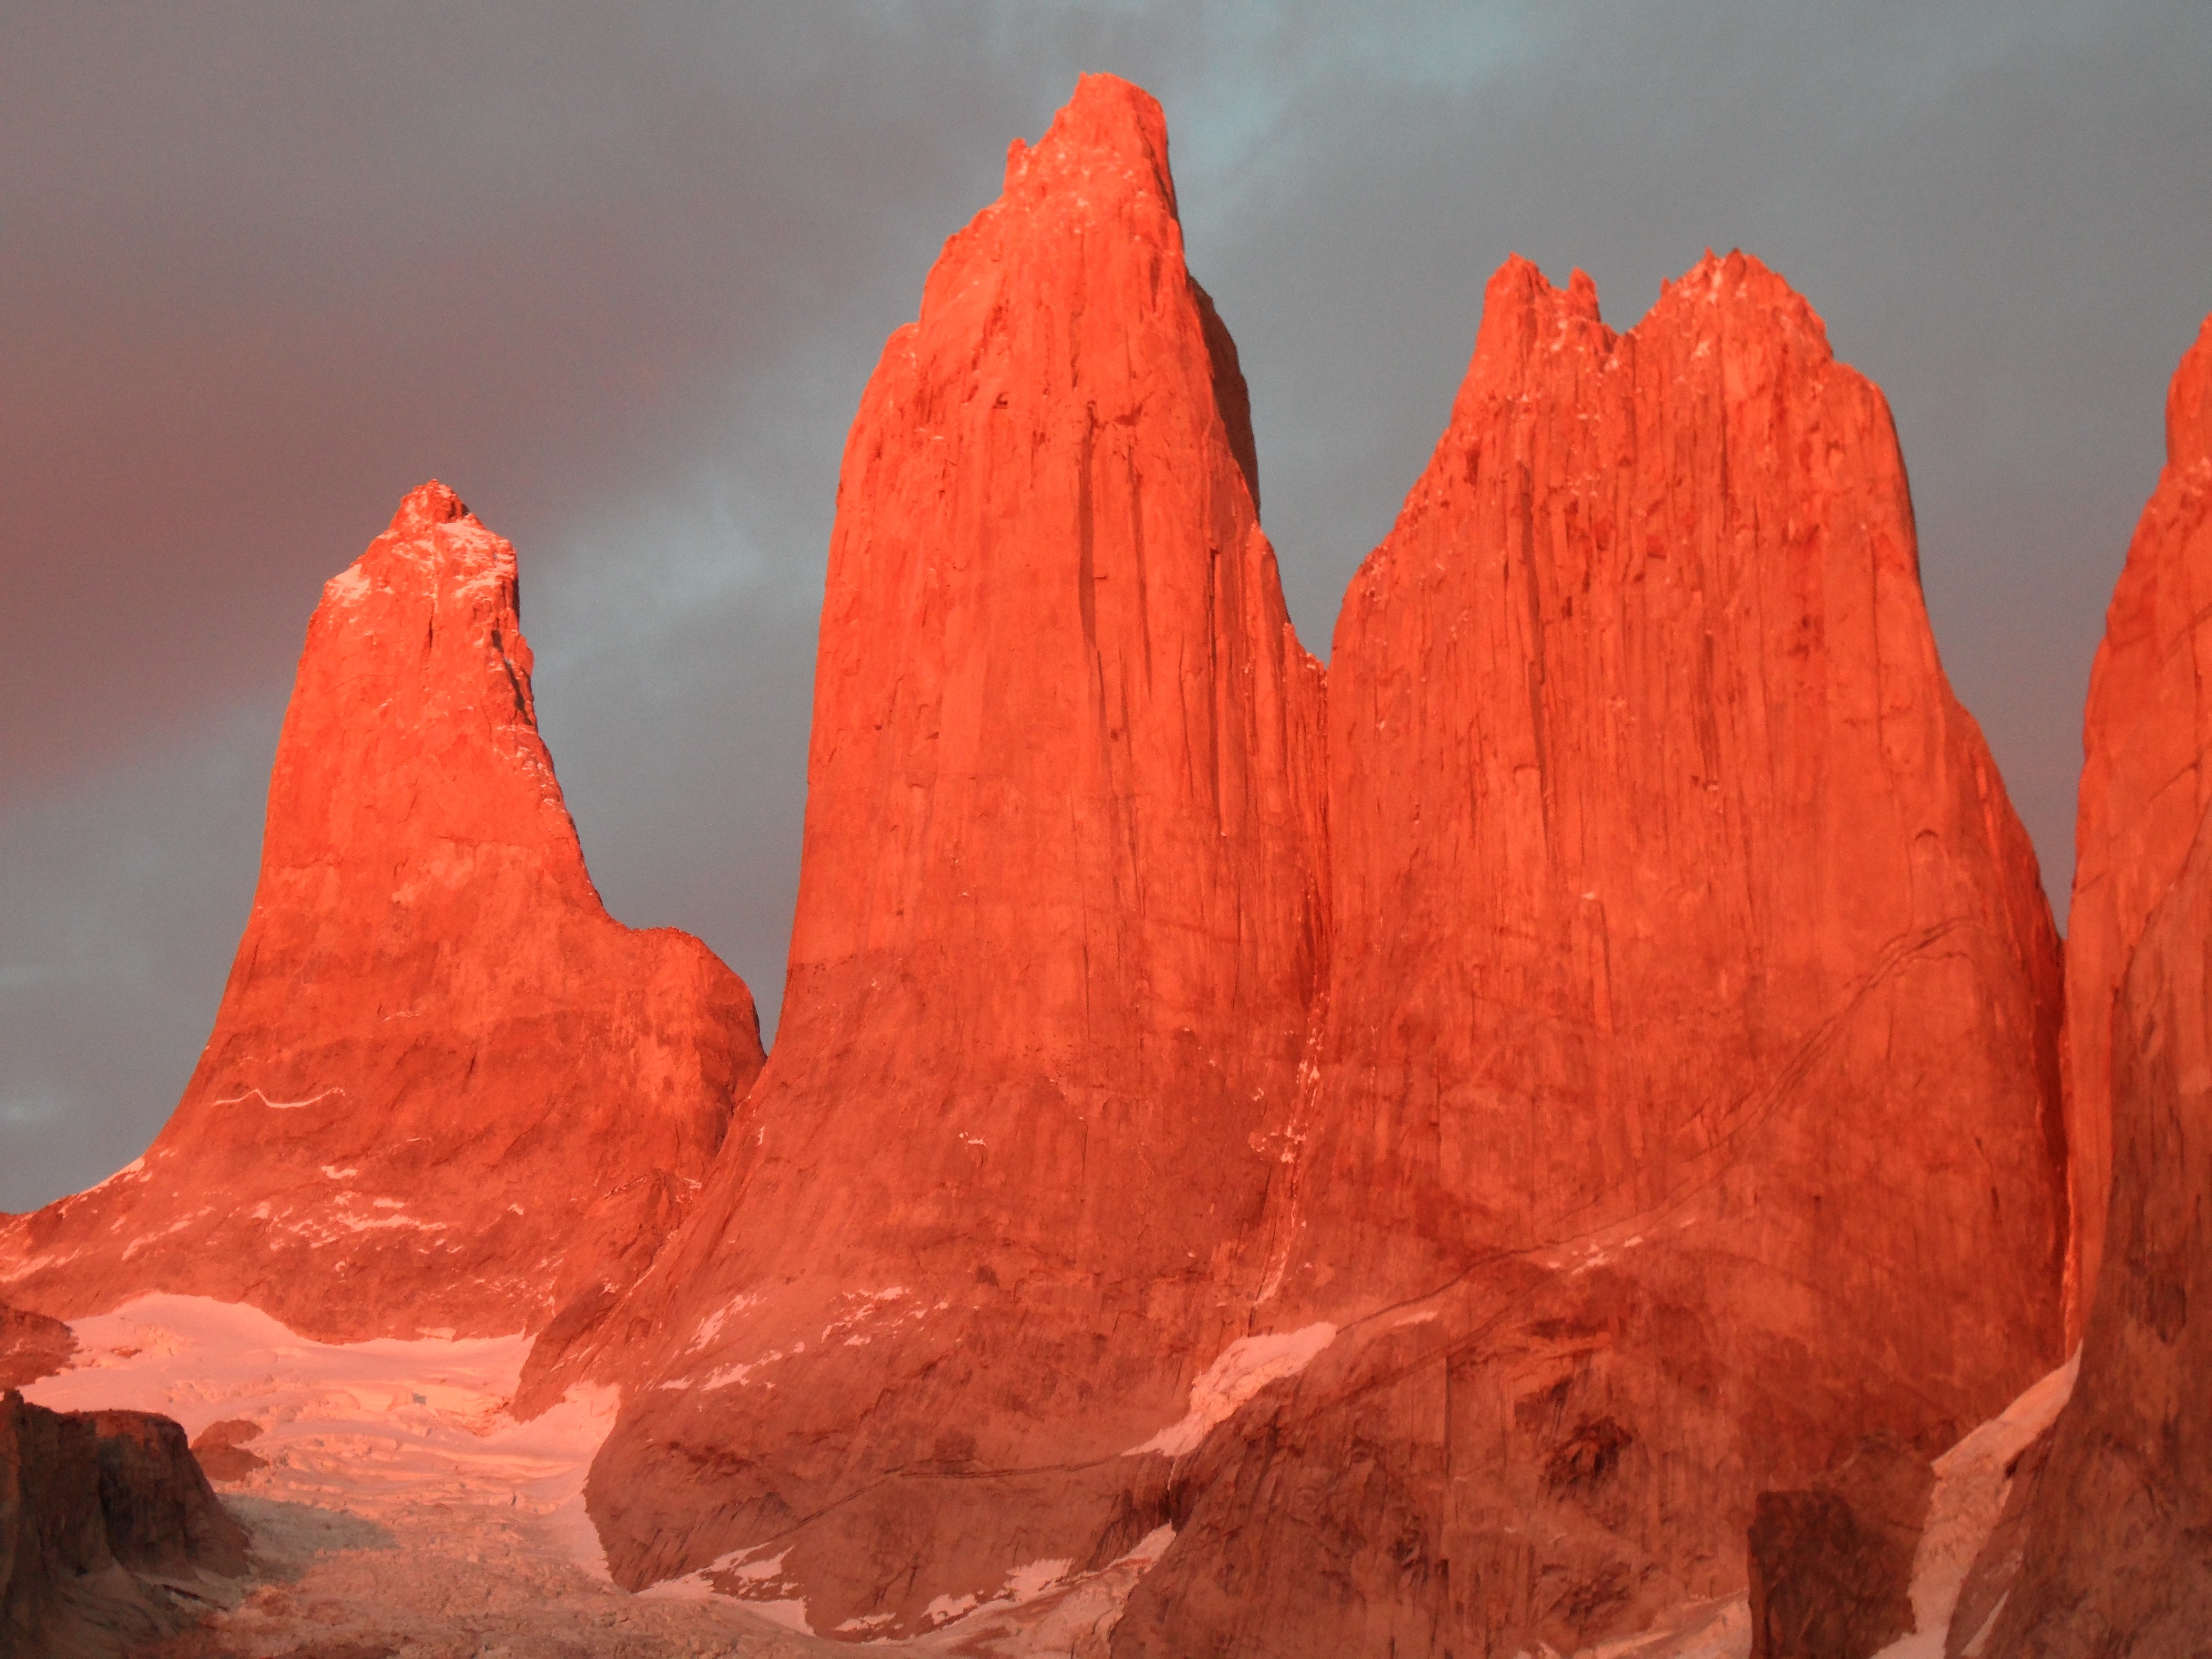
1109 131
2188 405
441 545
424 507
1739 285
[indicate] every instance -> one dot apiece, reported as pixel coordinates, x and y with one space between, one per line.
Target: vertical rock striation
2144 784
1687 1097
445 1089
1061 916
2116 1559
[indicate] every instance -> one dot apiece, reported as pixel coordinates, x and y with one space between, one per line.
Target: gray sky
617 275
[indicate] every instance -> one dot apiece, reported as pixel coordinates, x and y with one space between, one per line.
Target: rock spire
1061 917
2145 784
444 1091
1687 1100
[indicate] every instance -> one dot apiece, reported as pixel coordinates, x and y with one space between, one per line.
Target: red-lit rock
1061 916
1687 1104
2144 782
32 1346
2115 1559
445 1089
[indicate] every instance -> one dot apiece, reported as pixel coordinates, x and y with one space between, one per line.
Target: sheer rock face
2144 782
1061 917
1687 1102
2115 1558
445 1089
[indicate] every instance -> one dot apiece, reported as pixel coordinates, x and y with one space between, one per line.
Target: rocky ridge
2144 785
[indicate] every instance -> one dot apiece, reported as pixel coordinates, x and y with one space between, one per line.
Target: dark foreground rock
109 1532
1831 1565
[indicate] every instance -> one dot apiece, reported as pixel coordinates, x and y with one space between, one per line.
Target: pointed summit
426 507
1111 139
2188 406
445 1089
1060 920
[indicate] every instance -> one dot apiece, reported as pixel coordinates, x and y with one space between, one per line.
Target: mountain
1687 1106
2115 1558
2144 784
446 1090
1061 913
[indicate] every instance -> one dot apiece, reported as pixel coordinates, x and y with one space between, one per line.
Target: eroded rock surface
994 1202
444 1089
2145 784
1687 1099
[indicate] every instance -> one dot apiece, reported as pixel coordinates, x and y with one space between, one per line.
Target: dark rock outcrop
106 1524
1831 1564
220 1449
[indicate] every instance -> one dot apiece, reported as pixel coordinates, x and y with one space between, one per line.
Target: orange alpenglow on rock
446 1090
1061 917
1687 1102
2115 1558
2145 783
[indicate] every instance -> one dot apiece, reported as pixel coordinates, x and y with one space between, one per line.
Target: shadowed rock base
106 1528
1832 1564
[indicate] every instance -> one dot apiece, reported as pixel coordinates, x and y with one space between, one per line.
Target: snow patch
711 1325
277 1105
373 1427
1970 1489
1027 1583
1238 1372
943 1609
737 1576
134 1170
